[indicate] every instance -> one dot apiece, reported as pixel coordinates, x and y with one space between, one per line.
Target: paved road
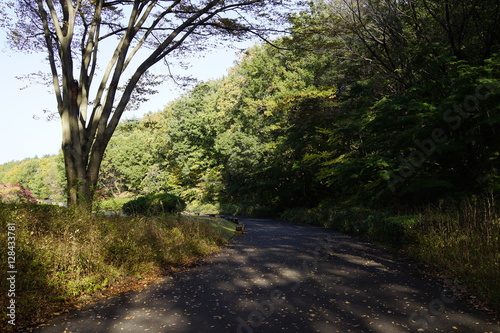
283 277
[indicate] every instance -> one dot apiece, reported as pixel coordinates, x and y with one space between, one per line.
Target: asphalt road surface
285 277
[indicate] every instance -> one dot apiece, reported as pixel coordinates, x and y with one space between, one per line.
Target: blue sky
23 136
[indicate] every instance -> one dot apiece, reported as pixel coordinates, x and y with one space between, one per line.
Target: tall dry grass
463 240
62 255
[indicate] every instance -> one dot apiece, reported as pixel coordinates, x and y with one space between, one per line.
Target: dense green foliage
390 102
154 204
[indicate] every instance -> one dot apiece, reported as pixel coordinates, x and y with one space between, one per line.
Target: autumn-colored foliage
11 193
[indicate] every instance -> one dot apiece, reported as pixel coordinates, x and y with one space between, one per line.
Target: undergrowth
62 255
463 240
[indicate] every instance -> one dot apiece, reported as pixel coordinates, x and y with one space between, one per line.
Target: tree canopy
99 53
374 103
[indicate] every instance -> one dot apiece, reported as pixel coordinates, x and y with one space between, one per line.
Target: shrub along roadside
460 240
154 204
63 255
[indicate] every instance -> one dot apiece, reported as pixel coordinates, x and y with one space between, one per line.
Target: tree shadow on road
279 277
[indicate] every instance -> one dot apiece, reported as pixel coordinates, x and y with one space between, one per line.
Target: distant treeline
42 177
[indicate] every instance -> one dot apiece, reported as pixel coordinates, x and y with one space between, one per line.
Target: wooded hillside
377 103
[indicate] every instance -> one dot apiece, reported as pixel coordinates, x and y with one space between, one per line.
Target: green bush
155 204
396 231
315 216
355 220
136 206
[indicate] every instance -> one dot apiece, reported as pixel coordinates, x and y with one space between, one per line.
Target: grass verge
63 256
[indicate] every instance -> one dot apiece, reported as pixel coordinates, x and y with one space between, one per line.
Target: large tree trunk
82 162
79 187
81 176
